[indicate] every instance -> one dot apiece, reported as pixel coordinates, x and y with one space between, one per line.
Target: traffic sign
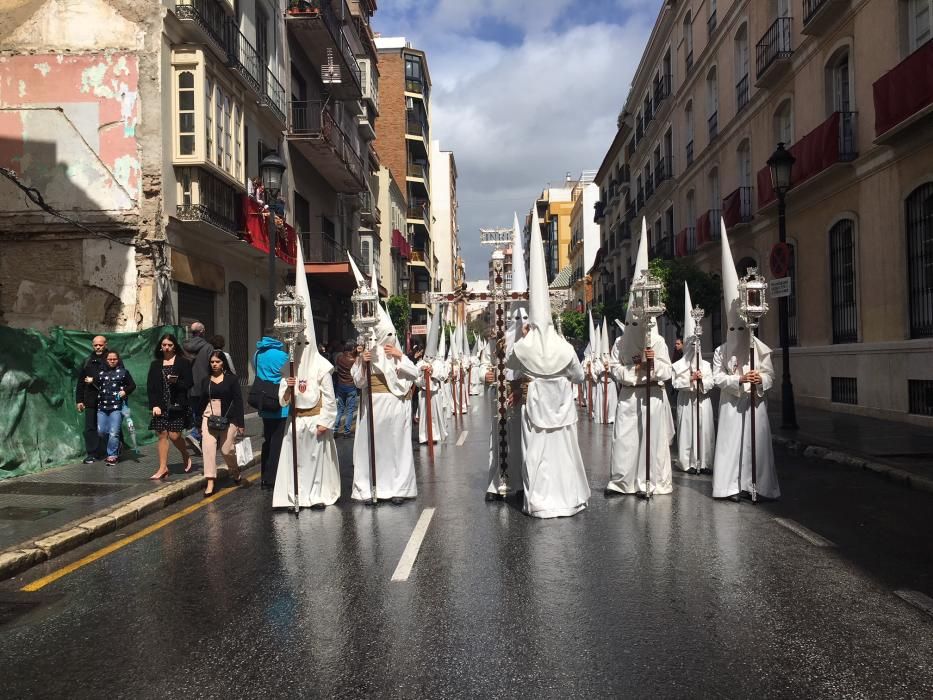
780 287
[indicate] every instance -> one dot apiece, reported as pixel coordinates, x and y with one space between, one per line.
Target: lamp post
272 173
781 162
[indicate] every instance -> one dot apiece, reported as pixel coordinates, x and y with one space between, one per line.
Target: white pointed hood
689 334
431 345
604 339
738 335
591 345
633 338
442 342
311 365
542 352
518 310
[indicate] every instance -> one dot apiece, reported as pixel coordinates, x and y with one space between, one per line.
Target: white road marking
799 530
403 569
462 438
917 599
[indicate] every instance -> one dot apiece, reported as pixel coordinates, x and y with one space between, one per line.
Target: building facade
445 231
841 83
394 256
584 240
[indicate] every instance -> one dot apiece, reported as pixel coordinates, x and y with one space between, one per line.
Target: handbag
220 423
264 395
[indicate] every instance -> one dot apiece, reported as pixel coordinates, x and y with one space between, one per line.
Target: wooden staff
501 389
650 364
589 390
605 393
427 409
696 452
751 368
372 430
294 415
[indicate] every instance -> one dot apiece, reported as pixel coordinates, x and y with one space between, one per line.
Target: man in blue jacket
268 362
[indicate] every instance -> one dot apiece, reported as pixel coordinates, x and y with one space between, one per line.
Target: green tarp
40 426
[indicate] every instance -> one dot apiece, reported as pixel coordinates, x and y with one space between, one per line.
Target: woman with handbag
221 412
167 386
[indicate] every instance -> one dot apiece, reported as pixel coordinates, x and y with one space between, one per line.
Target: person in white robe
693 379
476 375
436 374
629 440
315 415
732 373
606 397
447 404
554 479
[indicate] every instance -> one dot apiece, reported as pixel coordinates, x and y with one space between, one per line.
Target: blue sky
524 92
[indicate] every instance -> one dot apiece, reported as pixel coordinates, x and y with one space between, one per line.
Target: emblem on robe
302 385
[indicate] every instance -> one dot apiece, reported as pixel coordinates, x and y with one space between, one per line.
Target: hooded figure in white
466 365
476 376
393 376
693 382
589 373
438 374
553 475
316 412
498 486
457 371
606 395
732 464
447 402
627 460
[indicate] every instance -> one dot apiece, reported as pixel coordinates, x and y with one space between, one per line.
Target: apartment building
554 206
396 253
444 215
584 239
844 83
404 146
146 128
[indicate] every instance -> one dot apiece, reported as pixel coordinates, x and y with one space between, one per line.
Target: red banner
257 232
703 230
904 90
680 244
814 153
732 208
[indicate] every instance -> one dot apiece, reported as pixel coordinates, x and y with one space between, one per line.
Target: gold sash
379 386
308 412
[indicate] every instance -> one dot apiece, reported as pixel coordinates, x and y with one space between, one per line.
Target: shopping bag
244 452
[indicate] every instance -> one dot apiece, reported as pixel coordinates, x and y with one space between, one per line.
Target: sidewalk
899 451
45 514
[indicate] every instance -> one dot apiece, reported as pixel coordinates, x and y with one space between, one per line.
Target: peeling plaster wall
80 120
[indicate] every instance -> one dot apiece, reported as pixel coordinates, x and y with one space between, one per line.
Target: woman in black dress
168 384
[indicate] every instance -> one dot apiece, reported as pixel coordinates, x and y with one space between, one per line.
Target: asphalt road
678 597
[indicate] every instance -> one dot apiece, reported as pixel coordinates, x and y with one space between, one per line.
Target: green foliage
705 288
609 310
575 326
400 313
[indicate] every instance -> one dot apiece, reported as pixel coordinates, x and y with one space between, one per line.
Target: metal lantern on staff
697 314
648 305
365 300
753 291
290 323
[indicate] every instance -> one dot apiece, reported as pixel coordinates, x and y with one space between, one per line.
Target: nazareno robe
604 386
395 461
553 475
732 466
627 458
438 420
687 393
318 469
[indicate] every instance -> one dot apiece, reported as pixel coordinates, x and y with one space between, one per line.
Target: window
366 255
688 119
712 103
842 279
920 23
838 82
744 157
783 123
228 134
688 41
715 199
238 143
920 260
782 8
219 122
262 38
741 67
209 118
186 142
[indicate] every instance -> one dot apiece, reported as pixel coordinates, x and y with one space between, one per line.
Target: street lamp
781 164
272 173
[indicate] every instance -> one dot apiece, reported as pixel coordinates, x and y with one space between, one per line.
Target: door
238 322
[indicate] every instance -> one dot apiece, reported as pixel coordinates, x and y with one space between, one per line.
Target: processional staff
290 324
753 290
647 300
697 314
365 318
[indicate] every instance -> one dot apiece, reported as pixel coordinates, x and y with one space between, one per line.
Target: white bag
244 452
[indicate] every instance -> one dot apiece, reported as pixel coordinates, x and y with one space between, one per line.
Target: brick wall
390 136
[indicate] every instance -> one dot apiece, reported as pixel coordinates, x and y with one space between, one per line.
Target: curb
17 560
899 476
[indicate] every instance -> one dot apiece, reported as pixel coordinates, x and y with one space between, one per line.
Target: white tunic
627 459
687 445
553 474
395 462
732 466
605 393
438 420
318 470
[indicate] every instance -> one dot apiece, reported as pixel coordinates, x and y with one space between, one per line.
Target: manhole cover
54 488
18 513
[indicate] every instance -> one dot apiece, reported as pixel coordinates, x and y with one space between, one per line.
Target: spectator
220 396
218 342
198 350
346 390
86 392
114 384
678 350
268 361
167 386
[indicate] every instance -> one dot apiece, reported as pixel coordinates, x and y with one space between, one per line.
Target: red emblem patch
302 386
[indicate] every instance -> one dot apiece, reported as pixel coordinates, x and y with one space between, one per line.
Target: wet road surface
678 597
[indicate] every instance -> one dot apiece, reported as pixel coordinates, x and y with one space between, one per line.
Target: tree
400 313
610 310
575 326
705 288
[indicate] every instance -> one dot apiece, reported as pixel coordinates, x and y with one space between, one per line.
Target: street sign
779 287
419 329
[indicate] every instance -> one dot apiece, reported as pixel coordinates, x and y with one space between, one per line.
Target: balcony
831 143
419 182
320 139
210 19
649 186
625 232
737 207
904 95
711 25
320 35
662 90
415 87
712 124
663 249
707 229
369 212
415 127
418 257
210 201
640 199
625 179
631 213
689 153
774 52
819 15
663 171
370 84
599 212
685 242
401 244
741 94
419 214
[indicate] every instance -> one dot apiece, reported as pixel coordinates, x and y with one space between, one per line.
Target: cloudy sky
523 92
